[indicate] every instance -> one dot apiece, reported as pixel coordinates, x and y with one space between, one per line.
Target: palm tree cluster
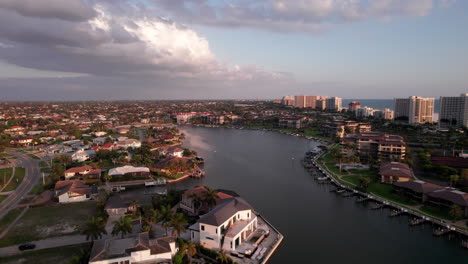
95 228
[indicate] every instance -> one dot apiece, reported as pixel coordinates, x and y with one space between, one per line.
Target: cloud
117 39
69 10
312 16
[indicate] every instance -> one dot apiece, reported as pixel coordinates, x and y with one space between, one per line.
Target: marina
300 206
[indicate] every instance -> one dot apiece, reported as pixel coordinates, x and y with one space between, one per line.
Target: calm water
319 226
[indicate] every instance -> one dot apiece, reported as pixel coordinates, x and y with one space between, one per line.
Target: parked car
27 246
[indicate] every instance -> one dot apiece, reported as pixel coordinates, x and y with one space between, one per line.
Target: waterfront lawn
315 132
352 179
52 221
59 255
437 212
387 191
329 161
17 179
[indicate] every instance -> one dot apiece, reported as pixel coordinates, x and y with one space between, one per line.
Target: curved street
30 179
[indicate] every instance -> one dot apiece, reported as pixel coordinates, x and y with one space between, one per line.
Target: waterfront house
116 206
129 170
85 170
391 172
417 190
138 248
70 191
173 151
225 227
448 197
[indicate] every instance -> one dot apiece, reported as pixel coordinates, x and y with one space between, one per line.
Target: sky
238 49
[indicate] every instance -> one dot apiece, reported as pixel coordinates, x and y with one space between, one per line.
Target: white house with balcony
225 227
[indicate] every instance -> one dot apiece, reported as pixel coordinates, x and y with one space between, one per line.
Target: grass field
4 176
386 191
17 179
43 164
8 218
60 255
33 156
51 221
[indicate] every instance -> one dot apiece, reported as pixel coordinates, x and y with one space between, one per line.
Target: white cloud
123 39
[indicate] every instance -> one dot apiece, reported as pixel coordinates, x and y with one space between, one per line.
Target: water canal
319 226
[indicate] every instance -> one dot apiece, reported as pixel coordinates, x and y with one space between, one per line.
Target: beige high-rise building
288 100
311 101
421 110
334 104
321 103
299 101
414 110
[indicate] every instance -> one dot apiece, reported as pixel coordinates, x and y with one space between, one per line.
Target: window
202 227
193 234
248 215
216 230
209 238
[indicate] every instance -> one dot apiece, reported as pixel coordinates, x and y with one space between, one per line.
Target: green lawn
3 197
43 164
52 221
437 212
315 132
4 176
352 179
386 191
17 179
59 255
8 218
33 156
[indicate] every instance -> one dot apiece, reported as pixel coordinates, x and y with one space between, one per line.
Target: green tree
222 258
190 249
456 212
454 178
123 226
364 182
177 223
94 228
164 216
210 196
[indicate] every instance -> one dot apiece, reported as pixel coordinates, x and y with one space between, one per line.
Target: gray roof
224 211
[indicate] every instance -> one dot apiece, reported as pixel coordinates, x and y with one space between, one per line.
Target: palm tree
196 201
122 226
190 249
454 178
95 228
164 215
134 205
210 196
456 212
222 258
177 223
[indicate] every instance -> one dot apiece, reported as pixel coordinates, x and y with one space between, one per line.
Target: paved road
46 243
30 179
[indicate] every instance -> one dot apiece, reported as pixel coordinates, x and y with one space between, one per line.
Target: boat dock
416 218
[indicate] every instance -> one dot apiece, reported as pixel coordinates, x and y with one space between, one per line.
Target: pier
417 218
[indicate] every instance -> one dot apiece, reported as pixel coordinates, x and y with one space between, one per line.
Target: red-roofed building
71 191
85 170
192 200
391 172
